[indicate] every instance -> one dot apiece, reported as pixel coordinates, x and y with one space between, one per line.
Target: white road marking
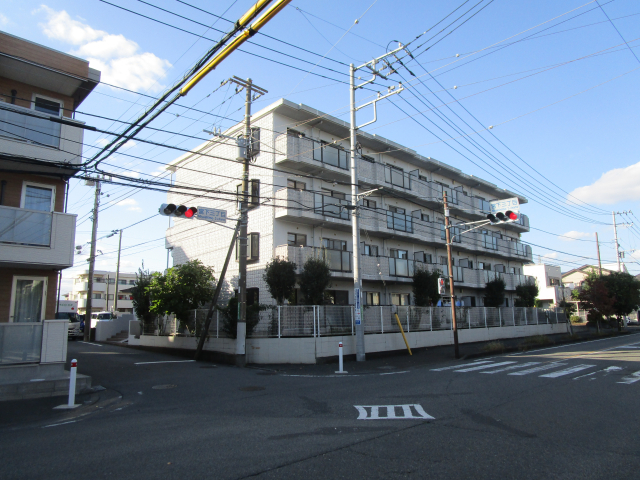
57 424
586 375
566 346
165 361
94 344
513 367
482 367
633 378
394 373
567 371
628 346
390 410
541 368
459 366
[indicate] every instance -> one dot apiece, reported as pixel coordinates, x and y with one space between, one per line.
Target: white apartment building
104 291
300 181
551 290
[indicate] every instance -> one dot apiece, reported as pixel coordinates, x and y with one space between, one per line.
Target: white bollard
72 388
340 361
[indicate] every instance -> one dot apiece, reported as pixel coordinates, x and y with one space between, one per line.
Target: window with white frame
36 196
28 299
46 105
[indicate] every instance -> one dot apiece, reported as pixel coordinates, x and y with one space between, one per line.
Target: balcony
339 261
323 160
312 208
34 238
34 135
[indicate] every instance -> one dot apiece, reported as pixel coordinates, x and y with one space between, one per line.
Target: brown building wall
13 188
25 93
6 284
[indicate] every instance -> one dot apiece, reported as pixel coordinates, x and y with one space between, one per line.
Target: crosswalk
542 369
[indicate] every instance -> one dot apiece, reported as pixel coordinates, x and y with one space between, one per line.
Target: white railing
25 227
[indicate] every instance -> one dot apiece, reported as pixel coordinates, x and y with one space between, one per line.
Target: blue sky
564 100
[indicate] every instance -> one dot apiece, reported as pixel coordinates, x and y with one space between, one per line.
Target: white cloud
102 142
549 256
131 203
575 235
617 185
117 57
3 20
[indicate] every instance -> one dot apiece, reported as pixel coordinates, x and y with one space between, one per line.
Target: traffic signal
172 210
504 211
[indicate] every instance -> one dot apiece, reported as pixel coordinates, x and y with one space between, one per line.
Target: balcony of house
29 133
301 206
33 238
321 159
339 261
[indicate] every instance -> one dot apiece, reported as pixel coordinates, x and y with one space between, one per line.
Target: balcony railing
331 206
400 222
401 267
40 130
25 227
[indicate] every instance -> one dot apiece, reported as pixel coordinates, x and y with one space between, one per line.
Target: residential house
551 290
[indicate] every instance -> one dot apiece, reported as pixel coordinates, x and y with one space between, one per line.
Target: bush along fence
326 320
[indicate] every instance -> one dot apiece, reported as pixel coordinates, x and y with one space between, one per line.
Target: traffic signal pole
115 293
450 265
92 264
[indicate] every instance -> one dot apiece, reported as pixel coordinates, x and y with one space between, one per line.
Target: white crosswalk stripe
451 367
567 371
482 367
541 368
633 378
513 367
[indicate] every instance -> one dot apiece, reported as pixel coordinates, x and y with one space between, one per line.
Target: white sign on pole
441 289
506 204
358 319
211 215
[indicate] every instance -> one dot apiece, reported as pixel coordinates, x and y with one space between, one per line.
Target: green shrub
575 319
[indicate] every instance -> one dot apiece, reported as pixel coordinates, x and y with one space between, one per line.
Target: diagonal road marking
567 371
513 367
451 367
482 367
633 378
541 368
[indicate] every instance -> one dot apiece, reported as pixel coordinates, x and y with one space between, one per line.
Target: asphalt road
561 412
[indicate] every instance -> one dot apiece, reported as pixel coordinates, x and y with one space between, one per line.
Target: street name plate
507 204
211 215
358 317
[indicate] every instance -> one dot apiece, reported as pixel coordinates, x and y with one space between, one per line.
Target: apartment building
40 148
104 291
300 177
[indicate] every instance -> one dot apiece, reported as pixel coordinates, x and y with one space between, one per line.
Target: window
253 296
500 268
422 257
394 175
132 282
38 197
484 266
50 107
334 244
423 178
253 247
395 253
443 261
514 270
424 217
331 203
294 133
367 158
371 298
97 296
454 233
464 262
336 255
554 281
397 220
334 194
331 155
400 299
125 297
111 281
338 297
122 282
296 240
371 250
369 203
28 299
254 194
294 184
254 144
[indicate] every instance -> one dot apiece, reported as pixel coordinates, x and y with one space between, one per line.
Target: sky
538 96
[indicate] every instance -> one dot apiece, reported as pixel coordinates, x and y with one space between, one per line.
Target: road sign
358 317
211 215
441 289
506 204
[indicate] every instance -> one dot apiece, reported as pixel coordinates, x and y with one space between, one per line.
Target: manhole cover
251 389
163 387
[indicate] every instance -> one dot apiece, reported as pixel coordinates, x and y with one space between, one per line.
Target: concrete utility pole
244 220
92 263
355 228
599 262
447 232
615 234
115 293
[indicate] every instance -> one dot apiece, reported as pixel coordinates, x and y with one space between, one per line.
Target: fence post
381 321
537 318
431 318
217 322
500 316
485 317
408 307
525 316
279 321
351 310
314 321
469 318
556 315
513 314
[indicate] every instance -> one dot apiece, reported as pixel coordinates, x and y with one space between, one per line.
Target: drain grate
163 387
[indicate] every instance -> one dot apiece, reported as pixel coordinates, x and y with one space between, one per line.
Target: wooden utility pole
447 231
599 263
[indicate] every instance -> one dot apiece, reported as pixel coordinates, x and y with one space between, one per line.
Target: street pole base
341 372
67 407
361 357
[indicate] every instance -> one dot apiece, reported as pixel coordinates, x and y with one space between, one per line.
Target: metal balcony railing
14 124
25 227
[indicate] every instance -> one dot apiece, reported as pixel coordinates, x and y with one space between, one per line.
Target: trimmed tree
280 277
596 299
140 297
425 287
494 293
526 295
625 290
314 280
230 317
184 288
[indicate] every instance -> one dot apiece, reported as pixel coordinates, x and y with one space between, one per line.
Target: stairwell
120 337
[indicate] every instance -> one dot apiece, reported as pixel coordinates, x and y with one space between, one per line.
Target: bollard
72 388
340 361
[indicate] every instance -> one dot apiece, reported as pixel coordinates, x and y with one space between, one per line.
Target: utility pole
115 293
244 219
450 265
615 234
106 308
355 228
92 263
599 262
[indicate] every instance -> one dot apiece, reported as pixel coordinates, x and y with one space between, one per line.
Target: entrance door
28 299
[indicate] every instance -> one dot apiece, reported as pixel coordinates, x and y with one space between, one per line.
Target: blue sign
356 294
211 215
507 204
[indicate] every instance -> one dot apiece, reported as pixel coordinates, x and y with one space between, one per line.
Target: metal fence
328 320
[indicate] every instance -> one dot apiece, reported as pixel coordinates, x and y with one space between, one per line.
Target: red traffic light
190 212
511 215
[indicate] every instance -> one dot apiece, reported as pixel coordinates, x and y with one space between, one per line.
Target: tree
230 317
141 300
625 290
280 277
596 299
526 295
494 293
425 287
184 288
314 280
